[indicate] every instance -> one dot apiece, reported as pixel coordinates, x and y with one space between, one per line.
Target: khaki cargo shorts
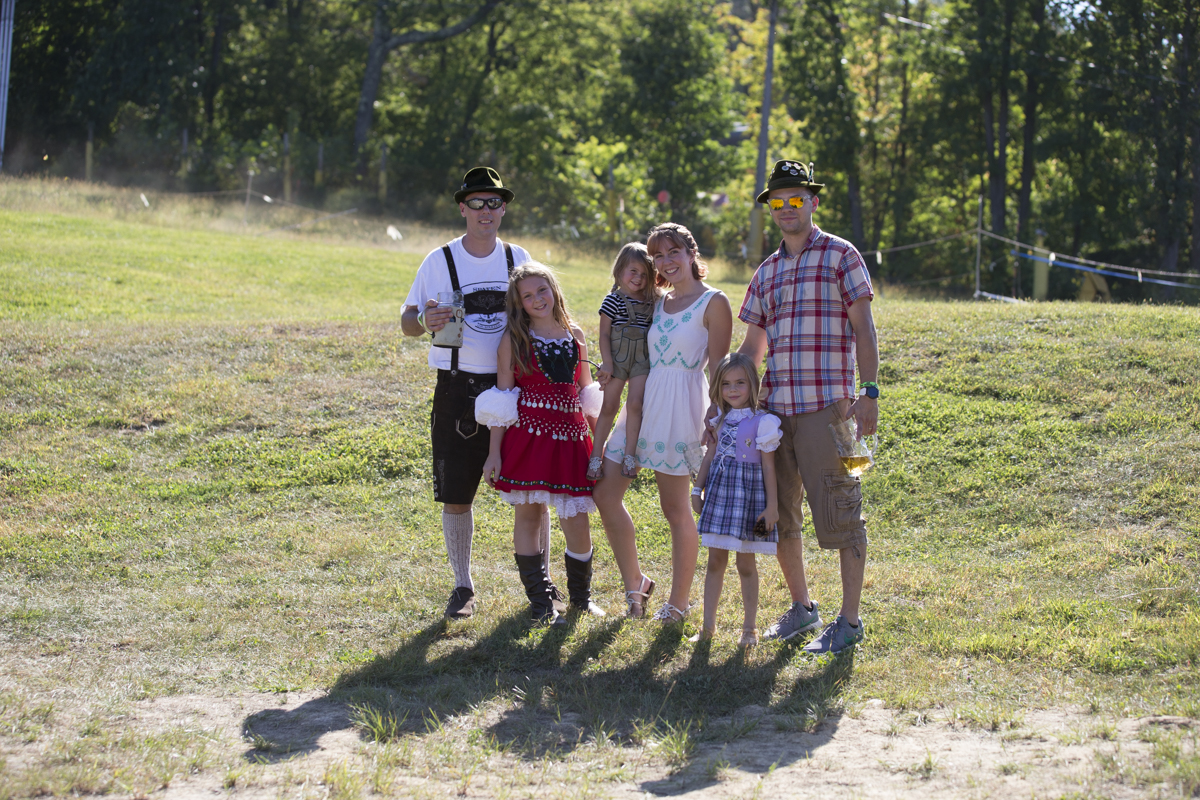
807 463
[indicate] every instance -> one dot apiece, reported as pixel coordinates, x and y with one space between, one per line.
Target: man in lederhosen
476 264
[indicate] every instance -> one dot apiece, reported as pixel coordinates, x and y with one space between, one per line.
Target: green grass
213 479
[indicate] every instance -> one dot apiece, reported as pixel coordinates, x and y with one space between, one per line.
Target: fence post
319 178
978 246
185 163
249 180
383 174
287 168
87 153
1041 271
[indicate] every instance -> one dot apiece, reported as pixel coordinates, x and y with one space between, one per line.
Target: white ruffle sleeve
591 398
497 408
769 434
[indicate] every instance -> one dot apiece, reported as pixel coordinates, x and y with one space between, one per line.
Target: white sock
458 530
585 557
544 539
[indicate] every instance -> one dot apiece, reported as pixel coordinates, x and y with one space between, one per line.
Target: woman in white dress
692 327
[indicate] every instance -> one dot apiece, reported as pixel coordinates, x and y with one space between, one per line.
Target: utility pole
764 130
7 18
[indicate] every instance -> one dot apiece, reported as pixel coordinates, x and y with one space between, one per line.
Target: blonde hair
680 237
636 252
518 319
727 365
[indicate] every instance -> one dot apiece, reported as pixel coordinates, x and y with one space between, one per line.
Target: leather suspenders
508 257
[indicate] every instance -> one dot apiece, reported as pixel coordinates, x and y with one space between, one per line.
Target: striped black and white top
614 307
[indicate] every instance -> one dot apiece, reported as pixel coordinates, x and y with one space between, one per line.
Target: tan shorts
807 460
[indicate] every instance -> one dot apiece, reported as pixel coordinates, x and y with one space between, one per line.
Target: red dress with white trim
544 455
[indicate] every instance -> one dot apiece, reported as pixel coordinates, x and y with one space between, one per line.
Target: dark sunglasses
476 203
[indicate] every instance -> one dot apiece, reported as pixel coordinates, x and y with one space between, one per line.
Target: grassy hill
213 479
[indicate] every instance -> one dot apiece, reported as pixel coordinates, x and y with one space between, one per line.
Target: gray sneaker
795 620
837 636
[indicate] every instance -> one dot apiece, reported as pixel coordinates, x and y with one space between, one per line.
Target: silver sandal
668 613
638 597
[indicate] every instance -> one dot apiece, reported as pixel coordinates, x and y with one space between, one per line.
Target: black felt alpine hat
482 179
788 174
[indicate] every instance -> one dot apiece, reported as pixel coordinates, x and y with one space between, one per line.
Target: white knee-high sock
544 539
458 530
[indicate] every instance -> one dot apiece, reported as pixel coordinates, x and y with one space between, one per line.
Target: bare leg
578 533
748 573
791 563
853 563
527 528
674 496
609 495
714 581
633 413
608 413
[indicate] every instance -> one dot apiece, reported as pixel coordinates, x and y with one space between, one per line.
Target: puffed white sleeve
591 399
769 434
497 408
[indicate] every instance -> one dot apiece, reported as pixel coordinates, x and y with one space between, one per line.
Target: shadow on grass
562 688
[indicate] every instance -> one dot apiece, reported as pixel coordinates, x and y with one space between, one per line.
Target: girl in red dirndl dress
540 438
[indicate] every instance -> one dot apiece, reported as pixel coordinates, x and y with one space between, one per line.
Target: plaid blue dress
734 494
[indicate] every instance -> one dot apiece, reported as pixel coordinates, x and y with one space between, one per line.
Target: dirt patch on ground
306 745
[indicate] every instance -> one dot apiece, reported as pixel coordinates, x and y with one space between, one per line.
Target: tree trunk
999 179
473 100
1029 140
1195 260
376 56
855 198
383 41
214 63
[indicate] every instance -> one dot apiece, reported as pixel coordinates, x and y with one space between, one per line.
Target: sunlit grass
213 479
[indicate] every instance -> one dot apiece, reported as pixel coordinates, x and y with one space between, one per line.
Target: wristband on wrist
696 491
869 389
421 320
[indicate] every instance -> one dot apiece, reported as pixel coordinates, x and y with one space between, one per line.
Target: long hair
518 320
635 252
680 237
727 365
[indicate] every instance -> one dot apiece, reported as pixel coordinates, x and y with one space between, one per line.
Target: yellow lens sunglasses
795 202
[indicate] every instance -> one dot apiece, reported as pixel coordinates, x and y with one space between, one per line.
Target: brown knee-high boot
538 589
579 585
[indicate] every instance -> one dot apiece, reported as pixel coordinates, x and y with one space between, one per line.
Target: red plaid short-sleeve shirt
802 303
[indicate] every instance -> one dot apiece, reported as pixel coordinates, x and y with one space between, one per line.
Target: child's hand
770 516
710 432
697 503
603 375
491 469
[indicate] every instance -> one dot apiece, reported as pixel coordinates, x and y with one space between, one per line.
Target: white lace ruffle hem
564 505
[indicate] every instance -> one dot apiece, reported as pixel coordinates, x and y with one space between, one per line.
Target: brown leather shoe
461 605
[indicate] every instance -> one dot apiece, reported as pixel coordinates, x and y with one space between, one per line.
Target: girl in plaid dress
738 505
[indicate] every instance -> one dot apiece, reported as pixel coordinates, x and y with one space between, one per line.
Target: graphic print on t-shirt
484 306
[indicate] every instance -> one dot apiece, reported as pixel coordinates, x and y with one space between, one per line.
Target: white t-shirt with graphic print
484 282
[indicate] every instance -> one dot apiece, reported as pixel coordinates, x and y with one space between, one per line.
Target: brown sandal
595 468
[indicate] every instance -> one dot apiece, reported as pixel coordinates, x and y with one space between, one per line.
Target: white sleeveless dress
676 393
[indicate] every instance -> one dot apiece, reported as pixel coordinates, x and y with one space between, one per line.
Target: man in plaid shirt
808 309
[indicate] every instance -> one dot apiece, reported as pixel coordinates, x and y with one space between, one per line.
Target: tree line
1077 123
